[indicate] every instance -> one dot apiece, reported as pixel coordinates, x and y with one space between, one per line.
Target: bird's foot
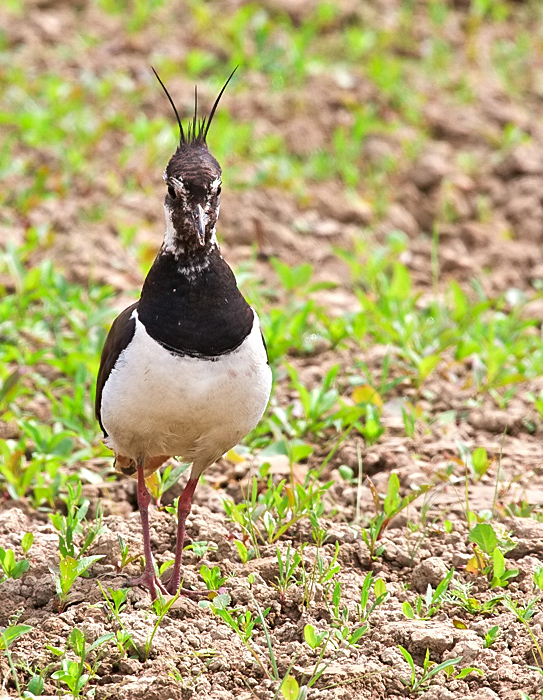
186 592
151 582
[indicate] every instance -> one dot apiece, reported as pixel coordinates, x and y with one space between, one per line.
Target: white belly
156 403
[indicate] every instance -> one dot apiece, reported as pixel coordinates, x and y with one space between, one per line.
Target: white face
179 205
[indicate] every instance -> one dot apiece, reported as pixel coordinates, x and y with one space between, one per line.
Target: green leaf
466 671
480 460
407 610
101 640
407 656
498 561
242 551
290 688
357 634
483 535
379 587
27 541
10 634
392 499
310 636
443 666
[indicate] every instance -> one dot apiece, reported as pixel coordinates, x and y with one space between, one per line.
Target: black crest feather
198 129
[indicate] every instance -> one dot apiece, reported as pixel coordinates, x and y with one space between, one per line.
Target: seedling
336 638
8 635
243 625
68 571
418 684
287 571
12 568
76 674
161 607
73 524
491 636
460 594
162 480
524 614
391 506
212 577
488 558
126 557
538 578
365 608
429 605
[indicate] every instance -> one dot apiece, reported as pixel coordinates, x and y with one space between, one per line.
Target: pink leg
148 579
183 509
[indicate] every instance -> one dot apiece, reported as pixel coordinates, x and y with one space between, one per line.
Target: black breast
199 315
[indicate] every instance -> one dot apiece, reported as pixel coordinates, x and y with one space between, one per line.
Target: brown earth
486 198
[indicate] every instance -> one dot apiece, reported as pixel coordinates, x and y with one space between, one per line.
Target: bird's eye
171 192
219 190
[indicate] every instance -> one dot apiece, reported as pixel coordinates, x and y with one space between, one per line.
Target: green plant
538 578
76 674
418 683
126 557
73 524
212 577
8 635
243 624
68 571
429 605
287 571
488 557
267 516
163 479
491 636
10 566
161 607
460 594
322 573
524 614
390 507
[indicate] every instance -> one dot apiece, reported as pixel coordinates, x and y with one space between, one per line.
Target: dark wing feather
119 336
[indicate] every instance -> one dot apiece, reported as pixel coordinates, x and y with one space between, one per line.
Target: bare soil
501 248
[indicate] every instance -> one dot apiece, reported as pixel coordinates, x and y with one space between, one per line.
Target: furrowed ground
379 535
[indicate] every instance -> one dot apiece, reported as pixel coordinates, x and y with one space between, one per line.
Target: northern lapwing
184 371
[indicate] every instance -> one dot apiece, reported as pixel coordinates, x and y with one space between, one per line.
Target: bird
184 370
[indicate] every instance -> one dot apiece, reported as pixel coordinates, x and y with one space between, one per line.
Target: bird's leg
148 579
183 509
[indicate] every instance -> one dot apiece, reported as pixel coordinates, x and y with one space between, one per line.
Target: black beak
201 225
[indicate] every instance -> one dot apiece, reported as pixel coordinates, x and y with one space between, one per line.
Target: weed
287 571
460 594
491 636
243 625
126 557
391 506
418 683
10 566
488 558
68 571
76 674
212 577
268 516
429 605
8 635
524 614
74 523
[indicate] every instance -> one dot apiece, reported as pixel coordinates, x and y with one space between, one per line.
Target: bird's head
193 181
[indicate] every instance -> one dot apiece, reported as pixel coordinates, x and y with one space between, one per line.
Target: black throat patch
198 315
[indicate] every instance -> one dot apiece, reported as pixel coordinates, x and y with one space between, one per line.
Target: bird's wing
119 336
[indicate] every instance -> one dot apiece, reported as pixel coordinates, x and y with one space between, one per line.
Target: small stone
437 638
431 572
